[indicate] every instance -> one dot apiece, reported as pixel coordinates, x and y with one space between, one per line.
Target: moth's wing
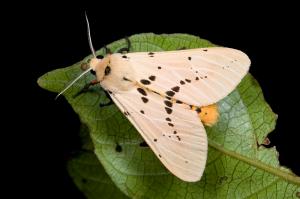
175 134
197 76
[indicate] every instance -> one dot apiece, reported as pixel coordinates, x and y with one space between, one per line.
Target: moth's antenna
93 51
89 35
77 78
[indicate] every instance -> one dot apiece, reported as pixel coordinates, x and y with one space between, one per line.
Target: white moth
162 94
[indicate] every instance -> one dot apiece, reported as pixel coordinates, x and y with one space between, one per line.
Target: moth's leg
144 144
92 83
127 49
93 73
86 87
108 103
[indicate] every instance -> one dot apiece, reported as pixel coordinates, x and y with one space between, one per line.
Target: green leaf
238 165
89 175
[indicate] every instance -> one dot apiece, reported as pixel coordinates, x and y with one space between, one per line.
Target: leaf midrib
252 162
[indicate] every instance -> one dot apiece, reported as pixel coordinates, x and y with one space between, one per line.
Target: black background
51 36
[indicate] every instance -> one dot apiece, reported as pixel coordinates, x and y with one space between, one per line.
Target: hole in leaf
118 148
84 181
222 179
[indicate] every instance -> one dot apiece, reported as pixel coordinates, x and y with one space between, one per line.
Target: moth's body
166 95
122 78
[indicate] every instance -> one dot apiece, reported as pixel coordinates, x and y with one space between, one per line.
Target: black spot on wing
188 80
168 103
168 119
142 111
152 78
158 67
142 91
144 99
124 56
174 132
145 82
178 102
156 92
176 88
168 98
170 93
189 58
197 78
182 82
198 110
125 79
155 140
205 50
168 110
170 124
151 54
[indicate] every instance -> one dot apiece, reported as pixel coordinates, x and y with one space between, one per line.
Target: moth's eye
99 56
107 70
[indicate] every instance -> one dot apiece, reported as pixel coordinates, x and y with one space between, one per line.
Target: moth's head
101 67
